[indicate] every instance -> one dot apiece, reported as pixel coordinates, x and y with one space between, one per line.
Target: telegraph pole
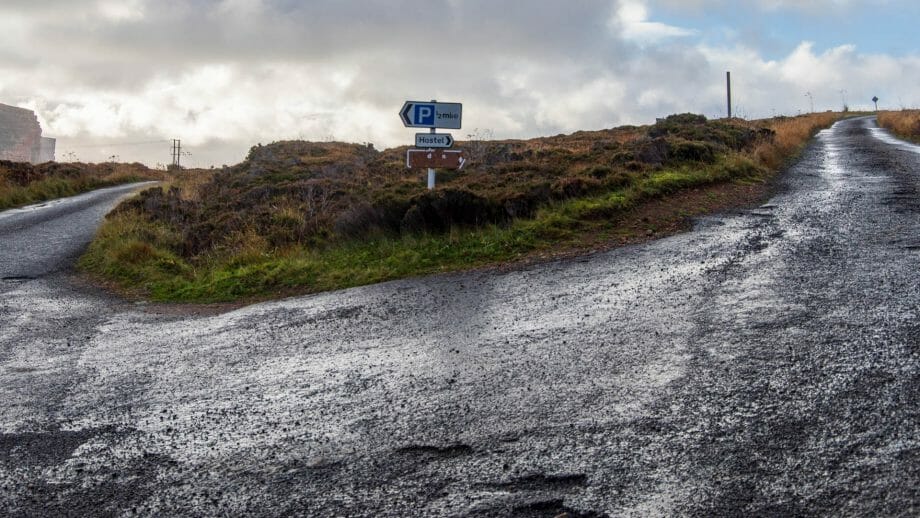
728 89
176 152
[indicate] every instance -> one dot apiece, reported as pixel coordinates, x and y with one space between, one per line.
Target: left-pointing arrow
404 114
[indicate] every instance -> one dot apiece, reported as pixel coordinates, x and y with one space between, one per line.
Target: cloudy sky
124 77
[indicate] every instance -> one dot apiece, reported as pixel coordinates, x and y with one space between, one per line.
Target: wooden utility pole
728 89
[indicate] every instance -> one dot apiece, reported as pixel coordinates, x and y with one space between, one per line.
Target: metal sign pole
431 173
728 90
430 170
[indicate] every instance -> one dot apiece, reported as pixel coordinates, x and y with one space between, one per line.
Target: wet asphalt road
767 363
45 238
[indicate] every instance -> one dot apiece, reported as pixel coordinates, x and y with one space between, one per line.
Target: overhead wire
117 144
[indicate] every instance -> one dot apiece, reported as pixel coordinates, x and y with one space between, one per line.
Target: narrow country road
44 238
766 364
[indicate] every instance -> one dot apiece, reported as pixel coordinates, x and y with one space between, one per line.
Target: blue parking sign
424 114
415 114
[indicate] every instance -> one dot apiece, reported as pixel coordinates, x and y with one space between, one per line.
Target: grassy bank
300 217
24 184
904 123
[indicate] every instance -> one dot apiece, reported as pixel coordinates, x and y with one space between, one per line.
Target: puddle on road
886 137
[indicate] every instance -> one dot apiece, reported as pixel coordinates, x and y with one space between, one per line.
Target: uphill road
47 237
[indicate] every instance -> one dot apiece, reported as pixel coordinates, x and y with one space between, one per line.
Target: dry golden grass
23 183
792 133
904 123
189 182
578 142
118 172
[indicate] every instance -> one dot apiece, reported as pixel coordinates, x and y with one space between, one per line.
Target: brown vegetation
328 215
317 193
791 133
904 123
23 183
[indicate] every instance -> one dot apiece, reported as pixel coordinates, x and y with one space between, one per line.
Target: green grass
242 234
140 255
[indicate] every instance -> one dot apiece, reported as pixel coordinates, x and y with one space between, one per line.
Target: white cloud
239 72
121 10
632 22
812 70
762 85
811 5
821 7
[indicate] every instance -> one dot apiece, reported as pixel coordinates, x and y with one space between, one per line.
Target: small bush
604 207
134 252
20 174
573 187
687 151
359 220
617 181
667 182
438 211
653 151
599 172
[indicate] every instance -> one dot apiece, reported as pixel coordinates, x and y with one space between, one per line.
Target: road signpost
432 149
417 114
436 159
434 140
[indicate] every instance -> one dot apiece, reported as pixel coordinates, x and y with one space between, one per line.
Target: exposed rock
21 137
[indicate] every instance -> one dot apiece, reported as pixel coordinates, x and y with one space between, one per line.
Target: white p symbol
424 114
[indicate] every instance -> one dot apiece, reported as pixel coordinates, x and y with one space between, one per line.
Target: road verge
24 184
905 123
300 217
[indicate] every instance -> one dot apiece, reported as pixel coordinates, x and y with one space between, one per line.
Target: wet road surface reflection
765 363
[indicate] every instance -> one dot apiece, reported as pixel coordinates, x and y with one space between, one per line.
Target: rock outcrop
21 137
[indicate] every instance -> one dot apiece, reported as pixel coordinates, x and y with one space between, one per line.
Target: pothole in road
540 482
905 244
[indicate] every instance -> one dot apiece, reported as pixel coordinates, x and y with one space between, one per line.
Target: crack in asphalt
767 363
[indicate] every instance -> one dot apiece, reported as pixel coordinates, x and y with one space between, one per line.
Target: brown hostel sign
436 159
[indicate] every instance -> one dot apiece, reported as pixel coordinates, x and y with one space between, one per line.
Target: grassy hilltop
298 217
